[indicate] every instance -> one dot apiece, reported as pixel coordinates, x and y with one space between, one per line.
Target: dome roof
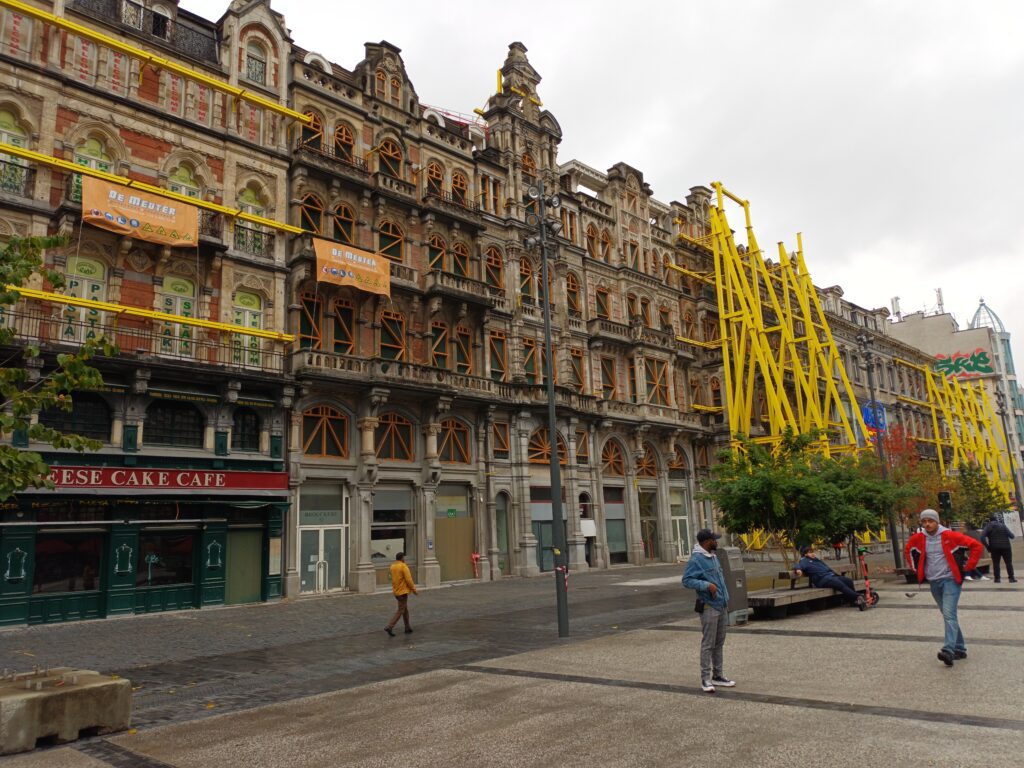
984 317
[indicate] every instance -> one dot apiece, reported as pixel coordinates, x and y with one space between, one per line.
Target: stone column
632 498
363 574
574 536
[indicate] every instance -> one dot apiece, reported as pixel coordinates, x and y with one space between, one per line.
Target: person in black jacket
996 537
823 576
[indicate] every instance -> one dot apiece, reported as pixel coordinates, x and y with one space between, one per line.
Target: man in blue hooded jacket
704 576
823 576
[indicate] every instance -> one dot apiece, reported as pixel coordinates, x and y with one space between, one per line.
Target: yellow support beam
70 167
156 61
149 314
705 344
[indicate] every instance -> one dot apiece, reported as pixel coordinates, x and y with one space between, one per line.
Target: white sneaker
985 578
723 682
706 686
968 578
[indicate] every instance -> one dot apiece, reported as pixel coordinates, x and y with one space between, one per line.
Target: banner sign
345 265
134 481
138 214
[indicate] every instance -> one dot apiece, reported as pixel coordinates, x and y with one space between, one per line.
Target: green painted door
245 566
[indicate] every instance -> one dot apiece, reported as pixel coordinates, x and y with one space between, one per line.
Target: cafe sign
133 481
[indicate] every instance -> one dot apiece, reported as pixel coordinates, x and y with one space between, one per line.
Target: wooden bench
777 603
843 569
984 565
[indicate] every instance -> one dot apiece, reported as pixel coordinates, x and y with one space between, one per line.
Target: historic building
183 506
419 418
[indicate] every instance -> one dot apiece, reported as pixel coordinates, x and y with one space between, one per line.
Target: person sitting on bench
823 576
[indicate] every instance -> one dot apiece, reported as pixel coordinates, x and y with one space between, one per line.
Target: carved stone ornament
252 282
138 261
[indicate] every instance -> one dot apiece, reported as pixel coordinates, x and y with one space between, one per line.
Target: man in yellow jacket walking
401 585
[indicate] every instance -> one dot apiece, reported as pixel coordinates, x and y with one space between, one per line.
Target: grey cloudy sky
889 132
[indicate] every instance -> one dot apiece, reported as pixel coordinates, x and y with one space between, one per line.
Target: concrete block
60 704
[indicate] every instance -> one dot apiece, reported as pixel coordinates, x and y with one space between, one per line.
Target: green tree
975 497
796 493
27 389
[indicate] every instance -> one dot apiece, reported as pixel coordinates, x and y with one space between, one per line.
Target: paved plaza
485 681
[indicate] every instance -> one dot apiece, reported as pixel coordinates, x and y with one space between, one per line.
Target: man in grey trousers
704 576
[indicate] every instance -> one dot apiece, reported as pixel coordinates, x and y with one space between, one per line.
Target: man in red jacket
942 557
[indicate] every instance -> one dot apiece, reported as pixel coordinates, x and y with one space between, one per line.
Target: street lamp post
1001 404
869 365
540 242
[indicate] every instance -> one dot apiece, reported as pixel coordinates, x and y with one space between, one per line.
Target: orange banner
143 215
345 265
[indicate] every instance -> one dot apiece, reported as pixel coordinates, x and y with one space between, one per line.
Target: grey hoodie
935 564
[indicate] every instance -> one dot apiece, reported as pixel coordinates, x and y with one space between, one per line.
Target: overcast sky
889 132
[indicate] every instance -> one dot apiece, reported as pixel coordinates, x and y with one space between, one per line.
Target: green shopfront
120 540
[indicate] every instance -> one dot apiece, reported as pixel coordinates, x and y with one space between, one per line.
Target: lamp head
533 192
554 201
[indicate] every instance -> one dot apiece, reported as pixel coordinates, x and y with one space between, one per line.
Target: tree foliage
25 388
975 497
919 479
796 493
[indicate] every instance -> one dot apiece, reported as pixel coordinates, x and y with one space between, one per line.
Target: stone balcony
462 288
462 211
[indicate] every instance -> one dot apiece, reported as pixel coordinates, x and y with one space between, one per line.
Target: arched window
454 445
632 310
311 321
439 342
183 181
344 220
645 311
177 424
178 297
381 84
602 303
396 91
437 253
312 135
247 312
89 417
716 392
529 166
460 188
249 237
689 326
392 335
539 448
495 268
344 327
460 259
664 317
84 279
311 213
572 292
647 465
245 431
91 153
344 142
525 278
592 241
256 63
391 241
435 179
325 432
678 466
612 462
606 246
696 392
394 438
390 159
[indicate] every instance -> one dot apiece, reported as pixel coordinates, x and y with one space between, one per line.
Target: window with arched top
343 219
572 293
613 463
647 465
437 253
176 424
435 179
454 443
325 432
606 246
538 450
312 133
678 465
381 84
664 317
529 166
592 241
525 278
245 430
645 311
89 417
390 155
632 308
255 63
311 213
394 438
460 188
602 303
716 392
182 180
439 344
494 268
91 153
391 241
392 335
396 91
460 259
344 142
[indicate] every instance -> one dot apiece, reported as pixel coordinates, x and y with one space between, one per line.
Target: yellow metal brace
70 167
148 58
150 314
